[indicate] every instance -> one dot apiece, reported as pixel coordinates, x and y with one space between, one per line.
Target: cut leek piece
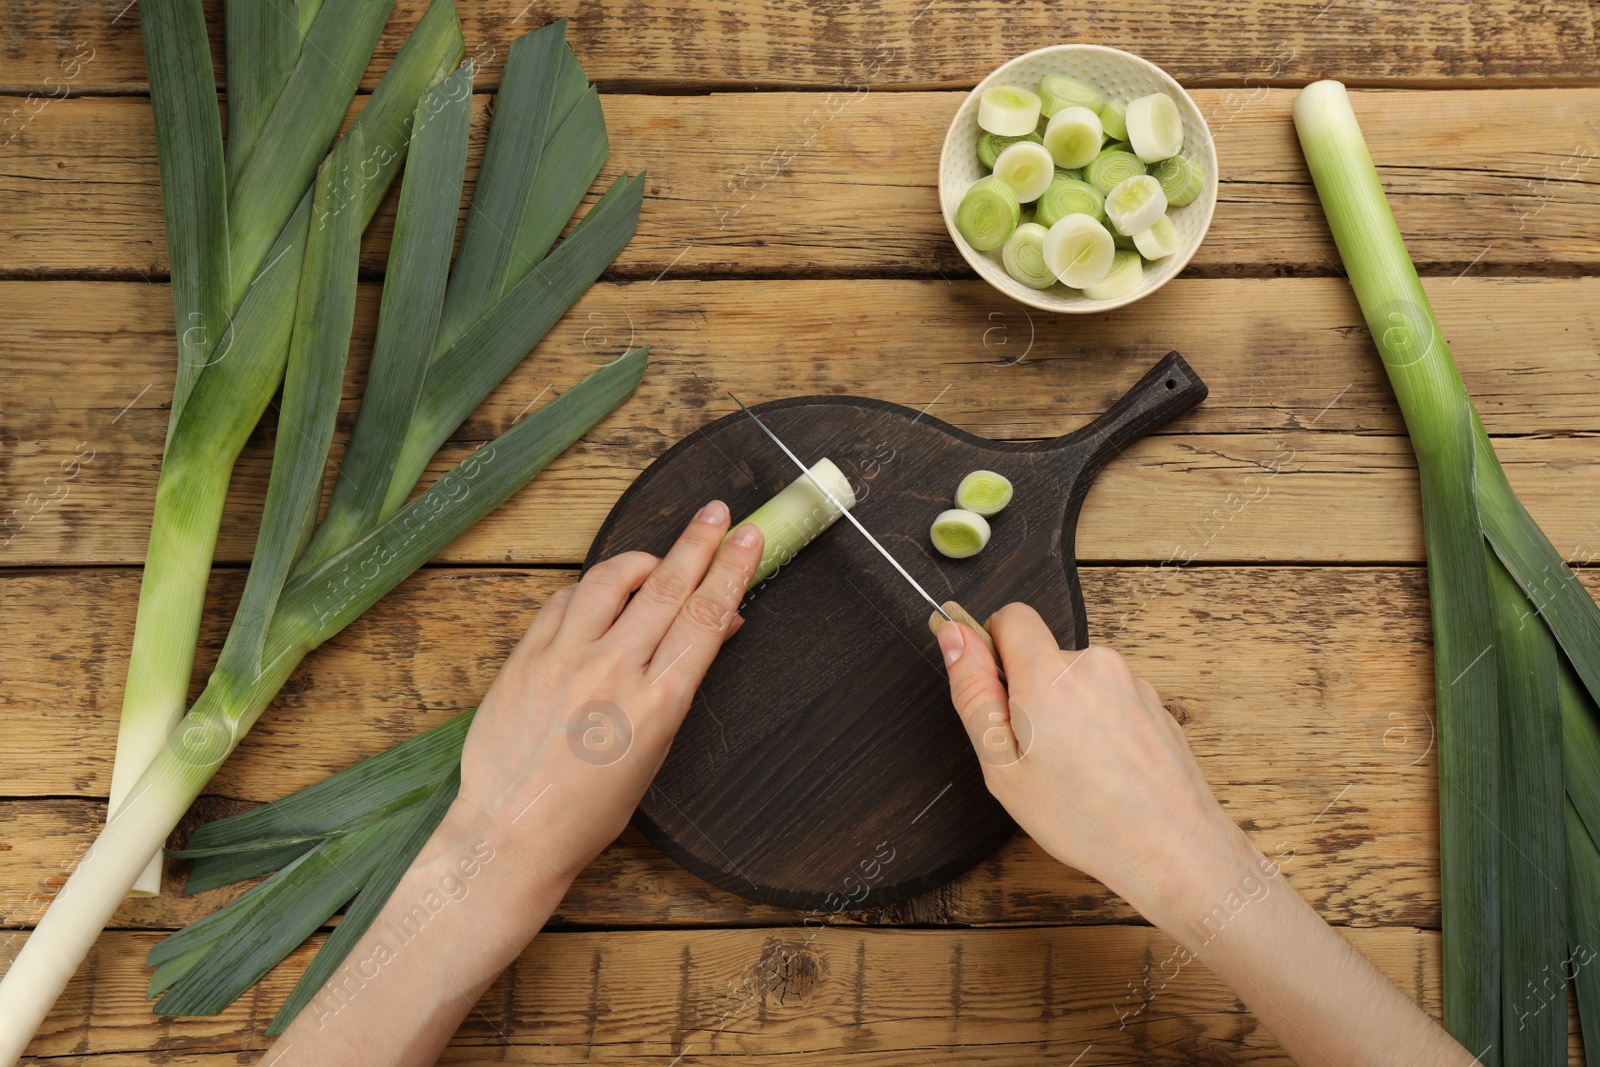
959 533
1113 119
1023 256
1135 204
1126 274
1027 168
1181 180
1111 166
1068 196
990 145
1073 137
1008 111
1075 173
988 213
797 515
1159 241
1079 250
1057 93
1155 128
984 493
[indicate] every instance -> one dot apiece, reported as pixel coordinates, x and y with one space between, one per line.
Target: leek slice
988 213
1057 93
1181 180
984 492
1026 167
1023 256
1155 128
797 515
1159 241
990 145
1125 275
1112 166
1068 196
1113 119
959 533
1073 137
1008 111
1079 250
1135 204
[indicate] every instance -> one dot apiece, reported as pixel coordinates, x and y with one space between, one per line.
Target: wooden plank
800 183
836 995
912 43
1300 688
1248 475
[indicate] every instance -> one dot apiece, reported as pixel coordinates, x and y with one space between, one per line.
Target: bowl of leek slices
1078 178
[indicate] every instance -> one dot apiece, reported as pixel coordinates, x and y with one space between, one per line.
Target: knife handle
958 613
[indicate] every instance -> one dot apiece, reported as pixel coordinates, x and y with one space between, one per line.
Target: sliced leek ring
959 533
1073 137
1057 92
1135 204
1125 275
1026 167
988 213
1023 257
1008 111
1079 250
1155 128
1181 179
1159 241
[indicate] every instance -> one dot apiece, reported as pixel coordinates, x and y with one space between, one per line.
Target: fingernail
951 642
714 513
746 535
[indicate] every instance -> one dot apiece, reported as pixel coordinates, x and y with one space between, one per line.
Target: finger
1148 694
645 620
706 619
977 692
548 621
602 594
1022 638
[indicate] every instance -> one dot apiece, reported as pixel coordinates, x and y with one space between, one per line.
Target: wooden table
791 243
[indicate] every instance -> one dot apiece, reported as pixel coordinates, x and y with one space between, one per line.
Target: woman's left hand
580 718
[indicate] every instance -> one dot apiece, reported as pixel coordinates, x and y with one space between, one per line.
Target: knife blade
950 611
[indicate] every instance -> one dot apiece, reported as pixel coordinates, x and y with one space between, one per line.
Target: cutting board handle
1169 389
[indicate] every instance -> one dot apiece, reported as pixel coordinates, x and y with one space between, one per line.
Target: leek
1079 250
1181 180
958 533
1159 241
1126 275
1069 196
797 515
1073 137
1114 120
292 603
987 214
1023 256
1134 204
1512 725
1155 128
990 145
984 493
1008 111
1026 167
1057 93
231 368
1111 166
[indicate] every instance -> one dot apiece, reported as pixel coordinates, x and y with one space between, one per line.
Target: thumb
978 694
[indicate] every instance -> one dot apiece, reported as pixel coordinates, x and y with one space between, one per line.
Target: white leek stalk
1073 137
1126 275
1023 257
988 213
984 493
797 515
1027 167
1135 204
1159 241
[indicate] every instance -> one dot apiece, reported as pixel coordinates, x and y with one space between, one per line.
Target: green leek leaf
263 44
413 294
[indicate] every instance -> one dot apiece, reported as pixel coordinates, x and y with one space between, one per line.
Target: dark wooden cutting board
821 765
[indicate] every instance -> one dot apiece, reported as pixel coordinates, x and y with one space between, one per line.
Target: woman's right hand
1089 763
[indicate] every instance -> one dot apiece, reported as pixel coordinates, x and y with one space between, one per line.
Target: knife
949 611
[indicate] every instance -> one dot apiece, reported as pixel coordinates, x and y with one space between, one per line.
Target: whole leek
1503 602
293 325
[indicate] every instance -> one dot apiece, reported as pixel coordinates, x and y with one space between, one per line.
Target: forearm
1323 1001
464 910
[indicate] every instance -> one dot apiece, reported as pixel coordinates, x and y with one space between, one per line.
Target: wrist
478 848
1207 886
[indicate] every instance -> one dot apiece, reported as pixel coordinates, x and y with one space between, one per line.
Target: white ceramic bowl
1121 76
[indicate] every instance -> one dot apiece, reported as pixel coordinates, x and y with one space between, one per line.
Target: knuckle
705 611
967 690
666 587
1104 659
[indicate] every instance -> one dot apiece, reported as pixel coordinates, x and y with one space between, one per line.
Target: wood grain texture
1249 475
836 995
912 43
1297 687
800 183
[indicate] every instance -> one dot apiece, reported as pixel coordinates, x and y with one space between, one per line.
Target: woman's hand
1105 781
1085 758
581 716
